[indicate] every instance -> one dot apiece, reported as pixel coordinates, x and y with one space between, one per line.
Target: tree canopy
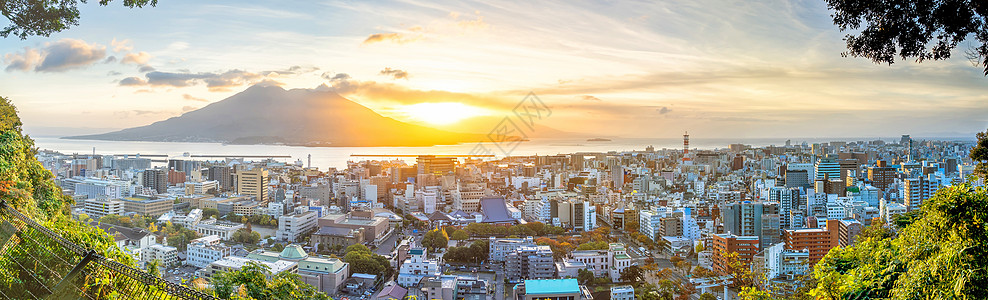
941 255
252 282
42 18
923 30
980 156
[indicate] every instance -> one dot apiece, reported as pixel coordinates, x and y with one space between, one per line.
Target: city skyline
717 69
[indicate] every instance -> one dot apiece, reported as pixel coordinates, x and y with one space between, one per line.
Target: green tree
362 260
277 247
210 212
707 296
980 156
593 246
434 239
251 282
632 274
924 30
29 188
584 276
42 18
941 255
460 235
153 267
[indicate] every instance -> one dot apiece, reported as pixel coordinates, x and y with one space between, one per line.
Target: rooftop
552 286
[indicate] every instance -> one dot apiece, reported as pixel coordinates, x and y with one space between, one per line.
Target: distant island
598 140
296 117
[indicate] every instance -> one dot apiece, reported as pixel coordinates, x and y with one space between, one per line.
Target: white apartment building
784 262
291 227
205 250
648 223
98 207
500 248
623 292
223 229
916 190
416 267
167 255
201 188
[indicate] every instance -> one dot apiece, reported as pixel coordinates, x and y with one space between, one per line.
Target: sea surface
326 157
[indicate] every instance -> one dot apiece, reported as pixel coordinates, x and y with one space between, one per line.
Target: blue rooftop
552 286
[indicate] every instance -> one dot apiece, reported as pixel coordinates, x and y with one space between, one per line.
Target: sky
715 68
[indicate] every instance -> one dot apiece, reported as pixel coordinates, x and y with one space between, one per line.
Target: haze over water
326 157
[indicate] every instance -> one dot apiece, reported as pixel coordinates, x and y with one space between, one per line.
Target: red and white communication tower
686 146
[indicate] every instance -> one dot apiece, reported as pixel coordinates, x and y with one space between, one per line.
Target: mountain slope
270 114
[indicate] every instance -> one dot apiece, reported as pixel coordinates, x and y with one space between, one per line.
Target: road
388 244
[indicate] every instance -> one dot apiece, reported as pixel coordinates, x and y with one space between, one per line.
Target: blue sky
633 69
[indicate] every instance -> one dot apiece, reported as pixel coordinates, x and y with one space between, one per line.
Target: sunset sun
444 113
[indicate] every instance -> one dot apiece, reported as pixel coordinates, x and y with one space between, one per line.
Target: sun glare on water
443 113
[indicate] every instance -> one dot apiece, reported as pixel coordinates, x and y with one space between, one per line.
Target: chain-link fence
40 264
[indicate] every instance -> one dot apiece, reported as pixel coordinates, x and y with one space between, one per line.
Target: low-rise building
622 292
223 229
530 262
501 247
551 289
99 207
324 273
330 237
291 227
416 267
782 262
205 250
166 255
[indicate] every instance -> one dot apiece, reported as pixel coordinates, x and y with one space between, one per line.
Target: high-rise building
222 175
253 183
530 262
818 241
918 189
723 244
881 175
827 168
430 164
155 179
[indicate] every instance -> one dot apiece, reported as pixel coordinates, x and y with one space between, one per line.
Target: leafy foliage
29 188
246 236
251 282
459 235
924 30
980 155
529 229
478 251
435 239
42 18
939 256
362 260
632 274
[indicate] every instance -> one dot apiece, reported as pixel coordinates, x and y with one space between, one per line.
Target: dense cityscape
688 222
494 150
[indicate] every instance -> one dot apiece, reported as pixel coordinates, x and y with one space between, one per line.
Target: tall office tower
686 146
881 175
905 140
827 168
743 218
797 178
771 230
253 182
789 201
576 161
222 175
430 164
737 163
155 179
919 189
